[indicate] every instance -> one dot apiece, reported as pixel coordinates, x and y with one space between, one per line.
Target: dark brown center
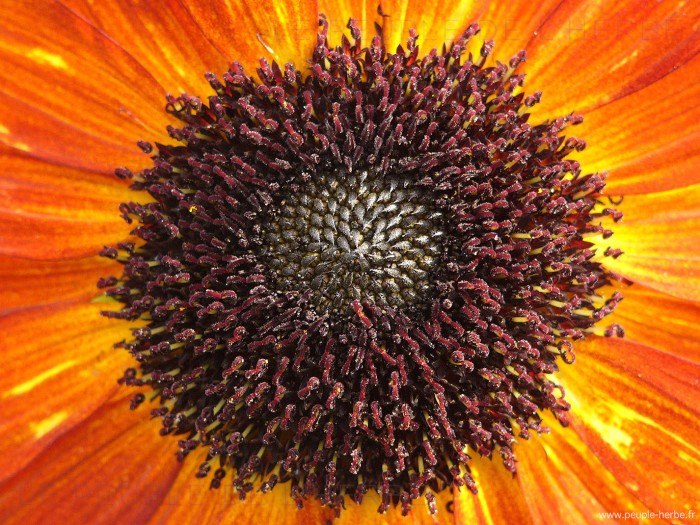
356 276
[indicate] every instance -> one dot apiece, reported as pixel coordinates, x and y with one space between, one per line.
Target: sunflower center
355 237
356 277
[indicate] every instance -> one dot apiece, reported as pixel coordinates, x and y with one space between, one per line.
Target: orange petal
77 97
630 69
339 12
660 238
660 321
511 25
564 481
637 409
165 38
648 140
586 54
59 367
434 26
113 468
191 501
514 26
496 487
53 212
366 512
643 128
35 283
248 30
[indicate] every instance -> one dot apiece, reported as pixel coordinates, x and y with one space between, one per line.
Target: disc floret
356 276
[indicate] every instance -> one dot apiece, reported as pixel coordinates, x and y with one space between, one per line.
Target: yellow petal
637 409
60 367
660 238
53 212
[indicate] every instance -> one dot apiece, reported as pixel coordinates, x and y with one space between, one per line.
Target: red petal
59 367
637 409
649 140
164 36
629 68
515 26
77 97
249 29
588 54
113 468
190 501
660 238
35 283
53 212
564 482
659 321
496 485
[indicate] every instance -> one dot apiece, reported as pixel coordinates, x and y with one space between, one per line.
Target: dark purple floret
357 274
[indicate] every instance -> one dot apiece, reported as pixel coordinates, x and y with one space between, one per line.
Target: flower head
351 277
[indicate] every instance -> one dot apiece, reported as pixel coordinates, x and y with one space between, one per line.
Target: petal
36 283
165 38
660 238
496 485
564 482
248 30
637 409
630 68
53 212
514 26
77 97
586 54
648 140
113 468
434 26
511 25
59 367
191 501
339 12
659 321
366 512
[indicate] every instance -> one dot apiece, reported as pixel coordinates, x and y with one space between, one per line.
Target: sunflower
82 82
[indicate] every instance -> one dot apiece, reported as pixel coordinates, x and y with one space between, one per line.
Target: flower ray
660 321
659 237
34 283
635 410
110 457
56 378
625 39
574 486
108 95
51 212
